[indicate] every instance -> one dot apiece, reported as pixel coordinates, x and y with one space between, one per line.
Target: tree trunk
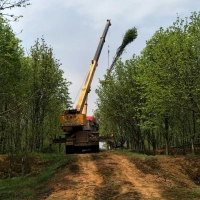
167 135
153 142
194 133
184 141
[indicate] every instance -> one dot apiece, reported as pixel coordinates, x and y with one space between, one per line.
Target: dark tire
78 150
95 148
69 149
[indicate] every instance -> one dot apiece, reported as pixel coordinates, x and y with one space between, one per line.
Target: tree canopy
155 97
33 93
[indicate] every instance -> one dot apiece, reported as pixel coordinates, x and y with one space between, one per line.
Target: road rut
103 176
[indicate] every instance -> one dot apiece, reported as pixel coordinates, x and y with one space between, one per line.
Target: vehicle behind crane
82 131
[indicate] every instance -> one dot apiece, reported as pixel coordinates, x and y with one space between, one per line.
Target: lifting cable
108 55
108 48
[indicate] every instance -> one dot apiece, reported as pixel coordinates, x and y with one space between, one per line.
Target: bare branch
9 4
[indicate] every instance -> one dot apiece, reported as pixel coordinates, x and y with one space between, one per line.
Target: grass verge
32 184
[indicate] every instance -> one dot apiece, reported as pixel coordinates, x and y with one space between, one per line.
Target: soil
117 176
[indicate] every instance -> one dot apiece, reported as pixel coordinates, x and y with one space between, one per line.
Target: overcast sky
74 27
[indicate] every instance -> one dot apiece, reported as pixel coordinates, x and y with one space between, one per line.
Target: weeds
24 186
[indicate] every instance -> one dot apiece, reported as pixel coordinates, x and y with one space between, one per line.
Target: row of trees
152 101
33 93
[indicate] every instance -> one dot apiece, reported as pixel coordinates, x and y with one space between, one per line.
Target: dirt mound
14 166
179 176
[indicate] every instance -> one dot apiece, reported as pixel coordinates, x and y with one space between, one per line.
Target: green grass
129 152
24 186
139 155
195 193
182 193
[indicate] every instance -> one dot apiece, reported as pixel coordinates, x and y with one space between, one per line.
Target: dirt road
112 175
103 176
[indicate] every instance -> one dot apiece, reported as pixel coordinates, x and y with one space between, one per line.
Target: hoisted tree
130 35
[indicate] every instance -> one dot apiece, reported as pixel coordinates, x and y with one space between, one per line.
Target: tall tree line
152 101
33 93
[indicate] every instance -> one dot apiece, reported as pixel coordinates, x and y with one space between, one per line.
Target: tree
118 108
32 96
48 92
170 62
156 96
9 4
10 68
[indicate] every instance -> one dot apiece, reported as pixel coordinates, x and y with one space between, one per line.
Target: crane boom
81 132
93 65
74 119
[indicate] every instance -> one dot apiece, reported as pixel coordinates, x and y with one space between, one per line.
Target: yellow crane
82 132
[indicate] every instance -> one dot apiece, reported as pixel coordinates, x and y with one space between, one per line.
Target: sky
74 27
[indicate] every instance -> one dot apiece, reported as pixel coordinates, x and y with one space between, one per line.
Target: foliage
152 101
32 95
130 35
